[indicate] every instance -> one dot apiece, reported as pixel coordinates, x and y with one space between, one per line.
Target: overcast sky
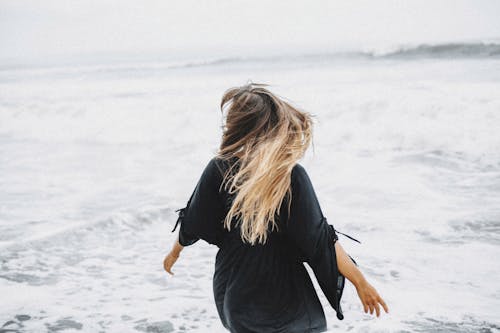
34 30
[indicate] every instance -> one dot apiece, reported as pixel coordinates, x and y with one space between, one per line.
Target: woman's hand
169 261
172 257
370 298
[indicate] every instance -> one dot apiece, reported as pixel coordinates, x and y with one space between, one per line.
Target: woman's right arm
200 218
172 256
367 294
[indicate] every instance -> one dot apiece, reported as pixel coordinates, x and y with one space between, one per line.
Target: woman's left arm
368 296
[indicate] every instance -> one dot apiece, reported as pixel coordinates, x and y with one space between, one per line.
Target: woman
257 204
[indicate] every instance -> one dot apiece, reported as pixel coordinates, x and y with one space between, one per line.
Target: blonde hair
269 136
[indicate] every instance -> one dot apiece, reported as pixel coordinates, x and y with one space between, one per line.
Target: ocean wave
480 50
123 222
446 50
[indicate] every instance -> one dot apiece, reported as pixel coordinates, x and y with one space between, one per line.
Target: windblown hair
268 136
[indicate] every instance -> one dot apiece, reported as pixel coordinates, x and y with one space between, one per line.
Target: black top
266 288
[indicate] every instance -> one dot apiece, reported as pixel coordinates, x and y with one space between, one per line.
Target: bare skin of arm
367 294
172 257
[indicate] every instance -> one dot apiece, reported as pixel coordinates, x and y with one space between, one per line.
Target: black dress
266 288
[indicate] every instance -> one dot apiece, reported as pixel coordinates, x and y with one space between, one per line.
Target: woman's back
266 281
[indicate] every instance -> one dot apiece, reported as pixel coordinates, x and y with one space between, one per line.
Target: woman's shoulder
298 172
219 164
298 169
218 167
222 164
212 171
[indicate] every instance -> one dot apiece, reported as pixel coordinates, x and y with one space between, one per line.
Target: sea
96 158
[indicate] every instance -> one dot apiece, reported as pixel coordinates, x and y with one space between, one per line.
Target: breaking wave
447 50
477 50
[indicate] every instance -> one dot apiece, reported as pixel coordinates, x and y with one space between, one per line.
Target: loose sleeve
202 216
314 238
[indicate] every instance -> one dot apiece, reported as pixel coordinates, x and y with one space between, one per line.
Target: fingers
168 268
368 306
381 301
378 300
372 305
167 265
371 300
